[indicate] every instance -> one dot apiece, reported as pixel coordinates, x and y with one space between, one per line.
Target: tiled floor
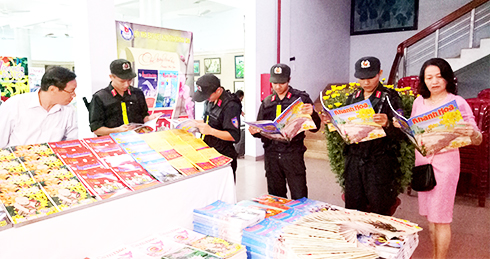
470 227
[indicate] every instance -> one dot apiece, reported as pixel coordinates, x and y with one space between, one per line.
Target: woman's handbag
423 178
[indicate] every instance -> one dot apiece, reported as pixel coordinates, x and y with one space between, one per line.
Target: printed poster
148 83
14 76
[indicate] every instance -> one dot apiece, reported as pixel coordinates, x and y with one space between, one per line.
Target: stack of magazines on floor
306 228
178 243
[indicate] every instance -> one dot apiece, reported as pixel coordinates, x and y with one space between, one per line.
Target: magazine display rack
158 196
97 227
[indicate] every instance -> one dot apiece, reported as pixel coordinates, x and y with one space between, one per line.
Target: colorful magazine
273 201
287 125
434 131
354 122
269 210
188 125
214 156
188 252
218 246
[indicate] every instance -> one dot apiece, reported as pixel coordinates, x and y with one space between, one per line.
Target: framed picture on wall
239 66
197 68
383 16
212 65
238 85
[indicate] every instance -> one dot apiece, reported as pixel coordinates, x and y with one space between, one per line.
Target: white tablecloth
102 226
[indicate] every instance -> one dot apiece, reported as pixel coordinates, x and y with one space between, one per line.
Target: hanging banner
163 61
14 76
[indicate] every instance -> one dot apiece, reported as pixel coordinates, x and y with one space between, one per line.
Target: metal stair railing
463 28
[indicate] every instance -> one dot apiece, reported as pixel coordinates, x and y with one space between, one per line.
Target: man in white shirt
42 116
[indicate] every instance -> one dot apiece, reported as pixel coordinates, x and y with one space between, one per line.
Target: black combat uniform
371 167
284 161
106 108
224 114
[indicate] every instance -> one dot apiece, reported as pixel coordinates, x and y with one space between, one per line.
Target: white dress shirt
24 121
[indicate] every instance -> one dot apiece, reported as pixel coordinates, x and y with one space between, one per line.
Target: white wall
260 55
213 32
383 45
317 34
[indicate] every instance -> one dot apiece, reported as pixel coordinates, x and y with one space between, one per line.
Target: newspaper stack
226 221
349 234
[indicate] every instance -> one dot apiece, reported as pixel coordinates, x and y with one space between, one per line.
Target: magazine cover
269 210
188 125
104 146
287 125
355 122
104 182
188 252
214 156
434 131
162 170
218 246
273 201
184 166
24 199
63 186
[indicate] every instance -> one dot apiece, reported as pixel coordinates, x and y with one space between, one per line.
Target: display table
99 227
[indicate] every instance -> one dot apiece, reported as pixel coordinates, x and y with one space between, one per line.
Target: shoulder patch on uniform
358 93
219 102
273 98
378 94
113 92
289 95
234 121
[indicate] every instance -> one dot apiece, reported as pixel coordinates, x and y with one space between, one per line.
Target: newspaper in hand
434 131
355 122
287 125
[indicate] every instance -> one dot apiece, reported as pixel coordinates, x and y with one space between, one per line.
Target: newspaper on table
355 122
434 131
287 125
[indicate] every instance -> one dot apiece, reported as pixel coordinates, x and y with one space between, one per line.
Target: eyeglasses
71 93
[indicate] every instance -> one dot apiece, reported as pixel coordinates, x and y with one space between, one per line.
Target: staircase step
469 56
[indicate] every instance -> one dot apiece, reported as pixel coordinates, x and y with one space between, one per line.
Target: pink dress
438 203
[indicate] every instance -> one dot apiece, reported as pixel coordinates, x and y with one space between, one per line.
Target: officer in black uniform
113 107
221 126
371 167
284 161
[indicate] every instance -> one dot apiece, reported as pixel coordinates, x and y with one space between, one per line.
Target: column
95 48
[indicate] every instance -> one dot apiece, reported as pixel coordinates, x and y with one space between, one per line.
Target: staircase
464 33
468 56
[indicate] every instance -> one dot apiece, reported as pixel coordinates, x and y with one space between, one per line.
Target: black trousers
286 168
234 165
370 183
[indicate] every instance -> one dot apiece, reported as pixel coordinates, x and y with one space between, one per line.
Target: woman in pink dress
437 87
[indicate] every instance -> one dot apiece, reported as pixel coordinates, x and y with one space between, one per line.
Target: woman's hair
446 73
